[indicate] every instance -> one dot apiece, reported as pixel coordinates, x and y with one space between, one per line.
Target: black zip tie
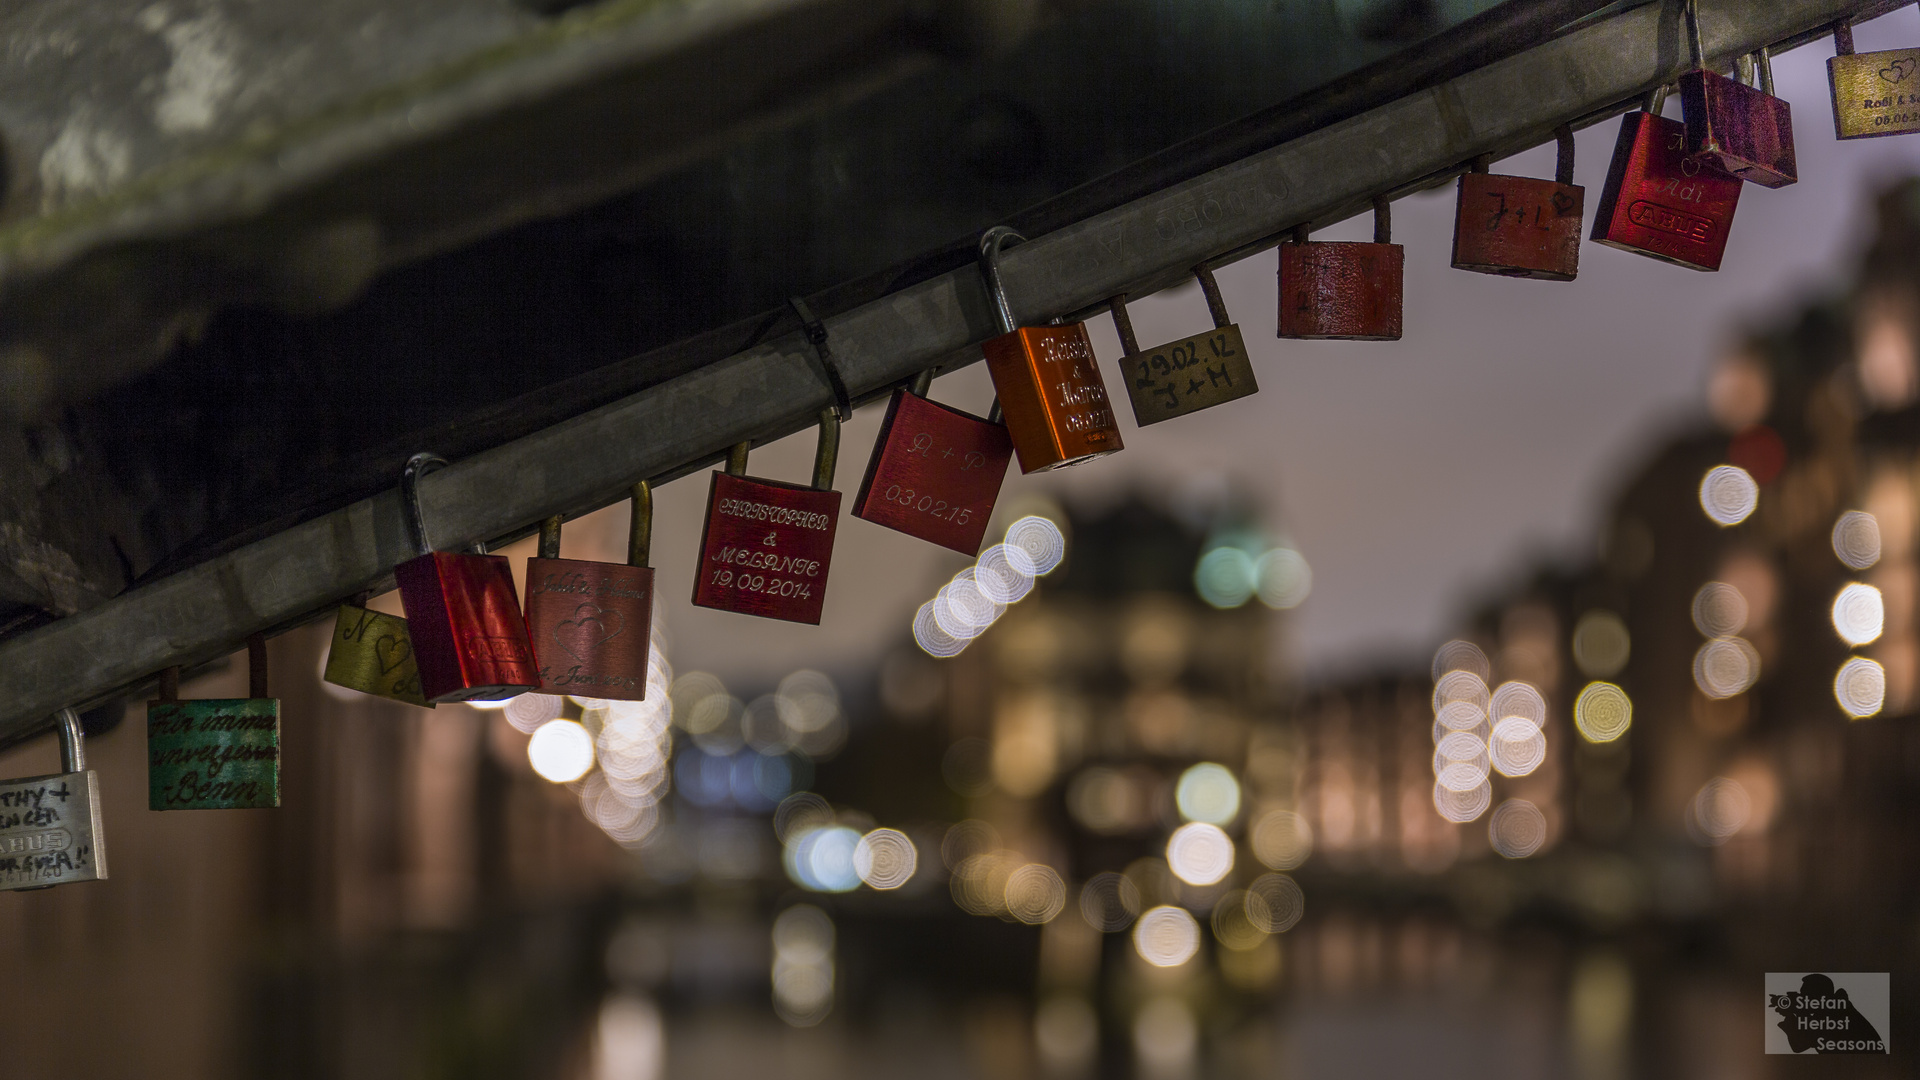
816 332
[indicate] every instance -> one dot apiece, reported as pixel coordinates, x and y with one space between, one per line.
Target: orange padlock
1051 393
1332 290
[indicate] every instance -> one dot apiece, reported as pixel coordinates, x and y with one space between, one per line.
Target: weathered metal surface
1875 93
1188 375
1738 129
1660 202
771 388
372 652
766 548
213 754
935 473
50 831
1517 226
1342 291
590 624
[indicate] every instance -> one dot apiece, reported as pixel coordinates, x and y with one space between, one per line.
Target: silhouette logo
1827 1013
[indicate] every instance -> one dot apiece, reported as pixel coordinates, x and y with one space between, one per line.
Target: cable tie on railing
816 332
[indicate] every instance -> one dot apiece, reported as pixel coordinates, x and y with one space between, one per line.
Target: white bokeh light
561 751
1199 853
1728 494
1859 614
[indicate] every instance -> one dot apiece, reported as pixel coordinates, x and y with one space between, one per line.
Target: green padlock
216 753
372 652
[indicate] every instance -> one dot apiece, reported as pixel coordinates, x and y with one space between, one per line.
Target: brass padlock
1051 393
215 753
1188 375
1343 291
372 652
1741 130
1516 226
767 545
591 623
1874 94
463 612
50 832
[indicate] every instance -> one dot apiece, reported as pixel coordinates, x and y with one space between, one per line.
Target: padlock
215 753
50 831
767 545
592 623
1343 291
372 652
1188 375
1658 201
463 613
935 471
1517 226
1875 93
1741 130
1049 383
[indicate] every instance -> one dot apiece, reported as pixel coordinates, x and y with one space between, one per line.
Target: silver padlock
50 825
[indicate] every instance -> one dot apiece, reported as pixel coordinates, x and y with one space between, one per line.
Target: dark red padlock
935 472
767 545
1660 202
591 623
1049 384
1336 290
1741 130
462 611
1517 226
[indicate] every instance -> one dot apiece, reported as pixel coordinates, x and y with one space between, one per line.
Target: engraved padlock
372 652
215 753
935 470
1049 384
1660 202
463 612
1741 130
767 545
50 831
1343 291
591 623
1517 226
1874 94
1188 375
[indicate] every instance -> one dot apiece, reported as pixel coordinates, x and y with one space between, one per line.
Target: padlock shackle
1843 37
257 666
827 454
1656 102
1699 51
1763 68
922 384
737 457
1382 220
991 242
73 746
1123 324
170 682
1216 304
640 529
1563 162
417 466
550 537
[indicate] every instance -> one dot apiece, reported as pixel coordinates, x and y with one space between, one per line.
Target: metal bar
773 389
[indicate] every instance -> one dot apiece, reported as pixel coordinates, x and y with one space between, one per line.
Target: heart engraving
591 627
1899 69
391 652
1563 204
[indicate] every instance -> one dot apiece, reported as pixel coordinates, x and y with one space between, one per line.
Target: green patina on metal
214 754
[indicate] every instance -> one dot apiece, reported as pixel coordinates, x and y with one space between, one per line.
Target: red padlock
1660 202
935 472
1517 226
591 623
1741 130
767 545
1049 383
1336 290
462 612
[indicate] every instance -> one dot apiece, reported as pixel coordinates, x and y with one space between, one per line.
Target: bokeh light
1719 610
935 641
1856 539
1282 839
1035 894
528 711
1232 925
1284 578
1720 809
1459 655
1859 614
1462 806
1461 686
1209 793
1458 716
1601 644
1517 747
1520 699
1602 713
1860 687
1517 829
1166 936
822 859
1004 574
1275 902
803 979
1728 494
1726 666
561 751
1109 901
1460 761
1199 853
885 859
1224 577
1040 540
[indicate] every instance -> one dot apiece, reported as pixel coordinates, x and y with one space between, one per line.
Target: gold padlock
372 652
1874 94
